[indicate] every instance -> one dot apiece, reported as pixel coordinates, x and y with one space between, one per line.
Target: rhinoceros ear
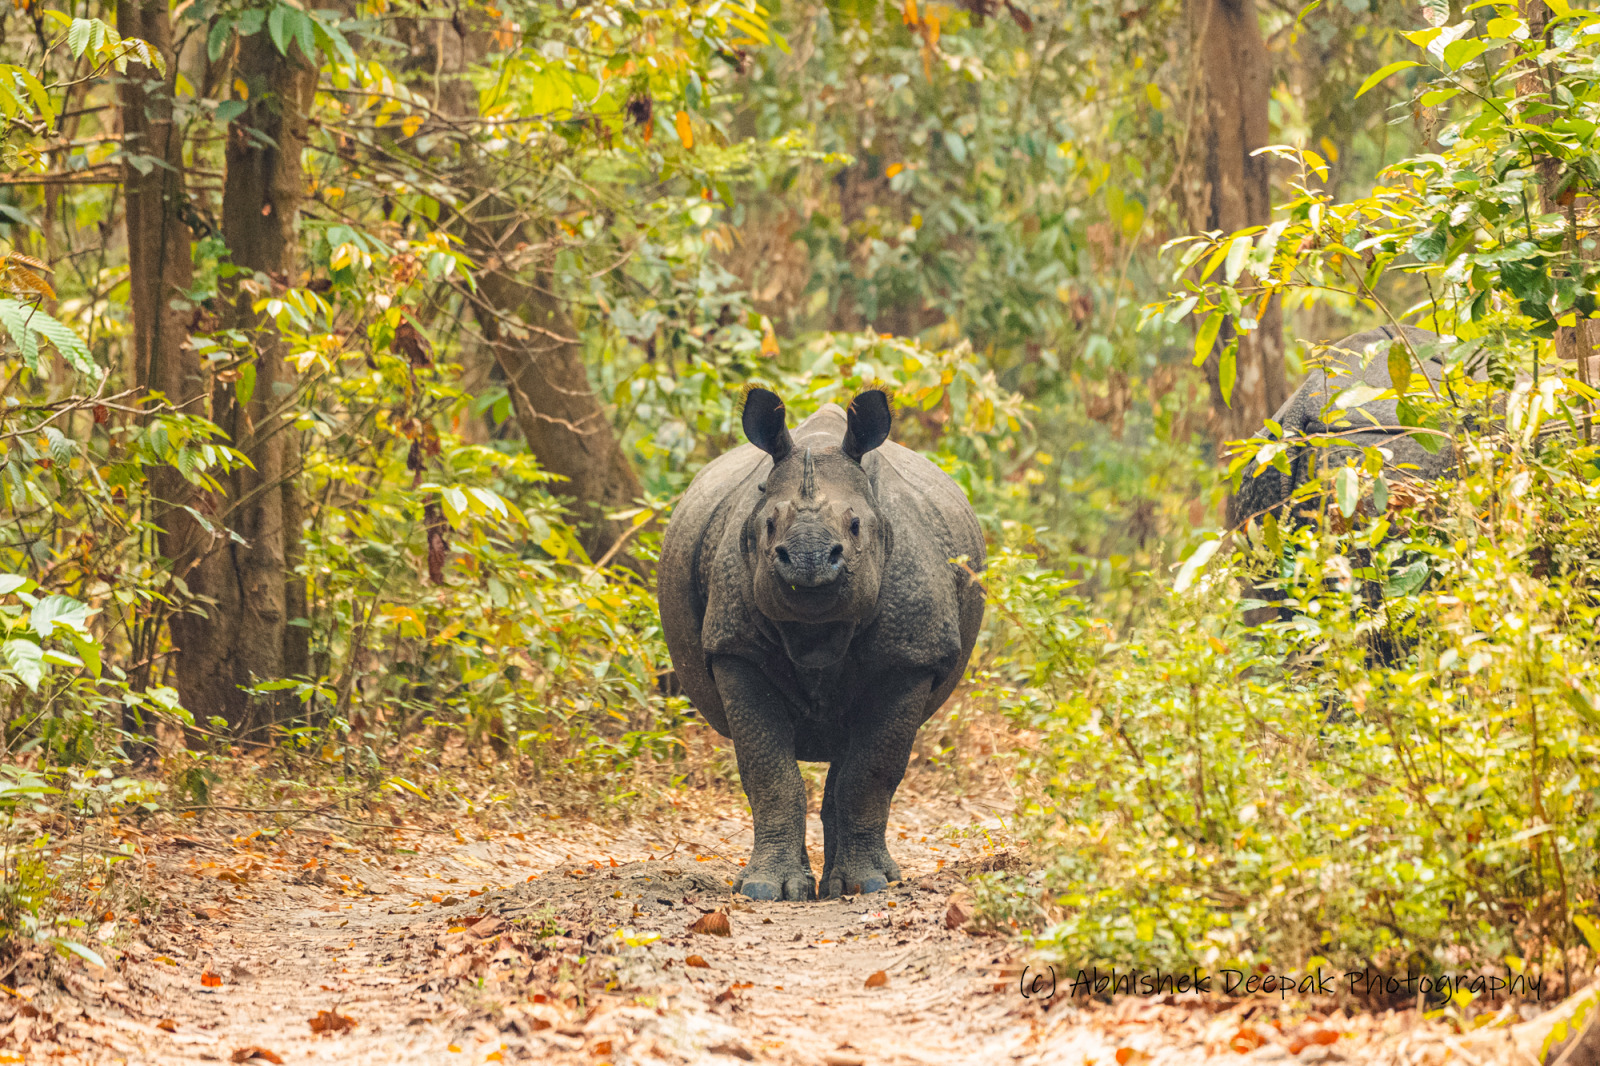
867 423
764 424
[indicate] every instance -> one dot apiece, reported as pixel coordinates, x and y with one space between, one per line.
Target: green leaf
1206 337
87 954
1458 54
1238 252
89 652
1429 246
78 36
1590 931
23 320
1192 565
1380 494
278 26
1399 368
1407 581
58 610
305 34
16 317
26 660
229 110
217 39
1228 372
1274 536
245 387
1347 490
1357 396
1383 72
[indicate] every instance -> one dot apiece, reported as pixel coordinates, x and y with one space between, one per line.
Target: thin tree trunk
530 329
248 637
1231 190
161 268
562 420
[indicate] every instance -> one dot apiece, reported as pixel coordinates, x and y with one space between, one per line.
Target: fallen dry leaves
878 980
1246 1040
211 980
713 924
246 1054
697 961
331 1021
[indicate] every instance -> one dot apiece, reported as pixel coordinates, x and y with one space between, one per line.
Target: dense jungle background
354 356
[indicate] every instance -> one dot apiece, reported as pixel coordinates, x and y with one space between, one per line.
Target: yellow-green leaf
1383 72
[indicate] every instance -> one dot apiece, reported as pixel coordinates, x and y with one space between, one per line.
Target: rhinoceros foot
870 873
772 881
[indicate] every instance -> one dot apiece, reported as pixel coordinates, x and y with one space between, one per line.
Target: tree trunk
248 637
562 420
1230 190
161 268
528 326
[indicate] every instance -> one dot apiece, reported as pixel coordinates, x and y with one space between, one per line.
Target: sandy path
561 943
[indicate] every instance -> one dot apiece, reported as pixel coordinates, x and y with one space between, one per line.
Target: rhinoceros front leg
763 744
855 801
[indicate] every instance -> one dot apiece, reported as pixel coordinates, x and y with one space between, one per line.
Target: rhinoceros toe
776 887
842 883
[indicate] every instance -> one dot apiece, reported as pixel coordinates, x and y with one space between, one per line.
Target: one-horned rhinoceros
815 609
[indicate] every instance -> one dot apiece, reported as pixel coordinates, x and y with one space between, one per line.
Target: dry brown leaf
697 961
713 924
245 1054
211 979
602 1048
734 1049
330 1021
878 980
1324 1036
1246 1040
167 1025
955 916
487 927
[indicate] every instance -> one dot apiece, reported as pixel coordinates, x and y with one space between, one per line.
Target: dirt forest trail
568 943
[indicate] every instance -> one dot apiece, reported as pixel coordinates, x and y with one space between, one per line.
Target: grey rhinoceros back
1346 363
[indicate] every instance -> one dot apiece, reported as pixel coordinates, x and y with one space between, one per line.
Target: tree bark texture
527 324
161 268
566 427
1229 189
248 637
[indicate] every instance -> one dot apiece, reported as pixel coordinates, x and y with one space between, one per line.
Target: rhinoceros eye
855 527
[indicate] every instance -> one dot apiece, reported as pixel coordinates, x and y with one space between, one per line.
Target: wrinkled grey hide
812 612
1375 423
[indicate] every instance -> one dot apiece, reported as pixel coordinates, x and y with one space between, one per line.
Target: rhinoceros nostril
836 556
783 555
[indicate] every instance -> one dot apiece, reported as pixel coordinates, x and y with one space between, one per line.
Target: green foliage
1215 793
1396 767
